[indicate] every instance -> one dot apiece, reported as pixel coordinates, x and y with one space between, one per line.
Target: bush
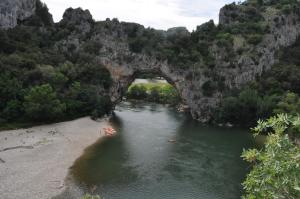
88 196
137 91
154 95
42 104
137 45
229 110
276 168
13 110
163 93
10 88
6 46
93 47
43 13
290 103
209 88
246 108
254 39
83 100
168 95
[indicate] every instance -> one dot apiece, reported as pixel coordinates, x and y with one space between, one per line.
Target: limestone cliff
233 68
12 11
202 65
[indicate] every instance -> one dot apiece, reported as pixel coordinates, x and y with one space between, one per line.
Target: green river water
141 163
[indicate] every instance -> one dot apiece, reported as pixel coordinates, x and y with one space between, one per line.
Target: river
159 153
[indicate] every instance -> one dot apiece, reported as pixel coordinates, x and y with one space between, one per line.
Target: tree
276 168
208 88
154 95
88 196
42 12
83 100
13 110
137 92
245 108
6 45
290 103
42 104
260 2
229 110
10 88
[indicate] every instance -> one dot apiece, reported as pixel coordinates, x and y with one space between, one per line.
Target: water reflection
139 162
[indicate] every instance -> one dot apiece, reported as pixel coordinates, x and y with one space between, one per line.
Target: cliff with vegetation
208 63
79 66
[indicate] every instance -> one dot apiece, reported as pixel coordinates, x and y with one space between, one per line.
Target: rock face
110 43
12 11
78 19
241 69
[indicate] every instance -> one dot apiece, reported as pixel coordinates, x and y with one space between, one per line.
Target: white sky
159 14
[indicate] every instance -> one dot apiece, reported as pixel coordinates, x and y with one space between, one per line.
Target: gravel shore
34 162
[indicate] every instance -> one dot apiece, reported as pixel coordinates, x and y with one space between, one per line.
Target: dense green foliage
163 93
40 82
88 196
41 103
196 50
39 52
184 49
276 167
277 91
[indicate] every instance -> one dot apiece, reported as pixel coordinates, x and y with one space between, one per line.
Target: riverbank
160 153
34 162
154 91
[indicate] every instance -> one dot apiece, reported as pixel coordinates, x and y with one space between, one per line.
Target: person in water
109 131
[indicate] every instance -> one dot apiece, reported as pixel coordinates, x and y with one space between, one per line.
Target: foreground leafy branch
276 167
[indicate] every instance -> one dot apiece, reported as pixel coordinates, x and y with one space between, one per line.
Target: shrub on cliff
254 39
6 46
290 103
277 91
42 16
209 88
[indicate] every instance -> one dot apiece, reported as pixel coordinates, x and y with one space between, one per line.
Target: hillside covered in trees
51 71
40 83
241 70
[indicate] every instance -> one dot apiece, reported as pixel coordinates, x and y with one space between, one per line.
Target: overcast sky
159 14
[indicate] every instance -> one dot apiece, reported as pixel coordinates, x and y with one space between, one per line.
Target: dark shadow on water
140 162
104 160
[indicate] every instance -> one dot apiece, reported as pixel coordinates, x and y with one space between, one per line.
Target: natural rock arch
191 82
187 84
123 65
124 74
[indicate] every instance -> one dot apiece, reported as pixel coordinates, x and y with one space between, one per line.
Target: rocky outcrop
178 32
232 14
12 11
232 68
242 68
77 19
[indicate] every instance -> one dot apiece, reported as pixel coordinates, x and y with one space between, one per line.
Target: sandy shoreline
34 162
